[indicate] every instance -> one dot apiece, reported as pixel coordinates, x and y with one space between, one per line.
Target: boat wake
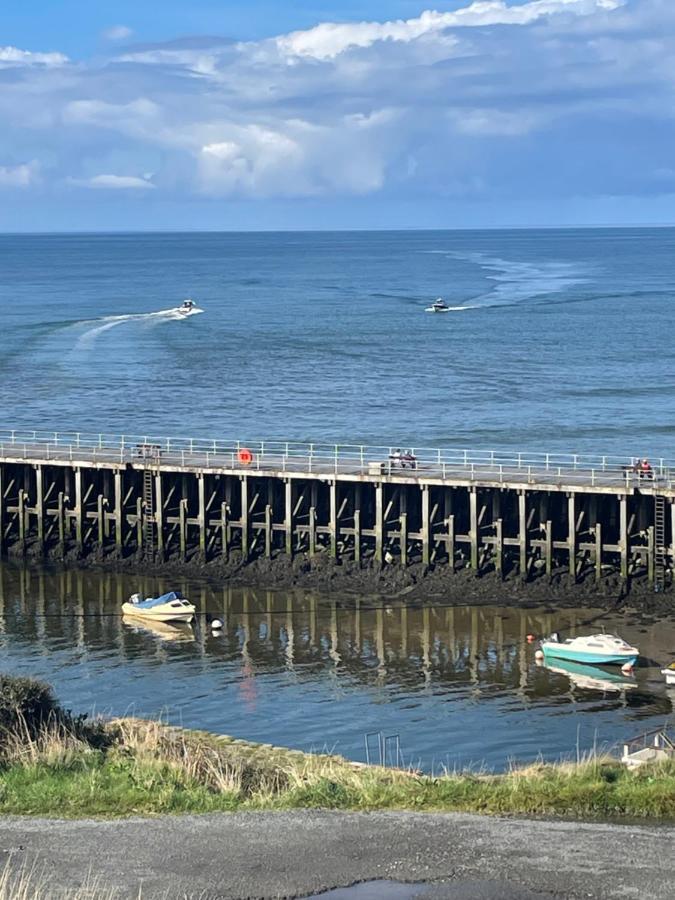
96 327
517 282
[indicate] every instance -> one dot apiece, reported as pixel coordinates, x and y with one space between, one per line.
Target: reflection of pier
524 513
377 643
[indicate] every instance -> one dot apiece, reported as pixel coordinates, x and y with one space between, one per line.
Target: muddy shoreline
415 583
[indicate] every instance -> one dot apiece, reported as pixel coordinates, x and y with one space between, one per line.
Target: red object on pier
245 456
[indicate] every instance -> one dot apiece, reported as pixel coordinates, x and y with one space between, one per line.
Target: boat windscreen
172 595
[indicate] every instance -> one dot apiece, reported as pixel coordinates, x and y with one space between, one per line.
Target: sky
224 114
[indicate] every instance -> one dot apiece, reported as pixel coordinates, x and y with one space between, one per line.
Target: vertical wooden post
201 490
451 542
268 531
333 525
426 550
288 518
357 523
651 555
100 520
623 535
312 531
244 518
159 512
182 526
522 534
572 536
672 538
499 547
379 523
79 512
473 527
224 538
2 508
598 551
139 524
119 537
403 543
22 518
39 506
549 547
61 514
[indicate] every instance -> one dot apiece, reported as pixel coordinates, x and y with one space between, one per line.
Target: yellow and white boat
171 607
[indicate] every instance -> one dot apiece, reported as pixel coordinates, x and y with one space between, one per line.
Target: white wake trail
106 323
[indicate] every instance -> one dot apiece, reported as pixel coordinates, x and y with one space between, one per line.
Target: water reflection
458 685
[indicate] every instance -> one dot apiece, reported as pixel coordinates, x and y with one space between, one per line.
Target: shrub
25 704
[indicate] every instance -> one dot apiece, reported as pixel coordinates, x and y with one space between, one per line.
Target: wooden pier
530 514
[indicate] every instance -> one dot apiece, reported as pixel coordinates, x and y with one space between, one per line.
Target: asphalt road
299 854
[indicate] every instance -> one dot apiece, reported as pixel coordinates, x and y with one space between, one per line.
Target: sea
557 340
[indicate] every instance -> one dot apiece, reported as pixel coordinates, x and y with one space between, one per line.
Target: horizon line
355 229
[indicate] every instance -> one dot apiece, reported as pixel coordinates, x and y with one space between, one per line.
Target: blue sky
215 114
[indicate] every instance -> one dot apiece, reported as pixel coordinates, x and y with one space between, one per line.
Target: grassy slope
151 770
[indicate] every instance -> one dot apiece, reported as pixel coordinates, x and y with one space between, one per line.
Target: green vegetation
52 764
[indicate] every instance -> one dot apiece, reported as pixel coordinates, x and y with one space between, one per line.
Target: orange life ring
245 456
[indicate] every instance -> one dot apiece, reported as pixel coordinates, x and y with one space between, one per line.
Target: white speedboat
438 306
188 308
171 607
594 649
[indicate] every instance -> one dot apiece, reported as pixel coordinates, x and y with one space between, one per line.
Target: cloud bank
495 99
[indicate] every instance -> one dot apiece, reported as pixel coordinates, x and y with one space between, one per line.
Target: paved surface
298 854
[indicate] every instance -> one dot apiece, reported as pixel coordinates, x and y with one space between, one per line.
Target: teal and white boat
594 650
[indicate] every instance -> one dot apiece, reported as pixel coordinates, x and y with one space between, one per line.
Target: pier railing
288 456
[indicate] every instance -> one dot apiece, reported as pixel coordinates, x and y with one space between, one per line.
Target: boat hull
588 656
163 613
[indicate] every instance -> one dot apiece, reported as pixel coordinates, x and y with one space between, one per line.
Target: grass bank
52 764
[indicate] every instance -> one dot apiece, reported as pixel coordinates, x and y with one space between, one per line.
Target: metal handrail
291 456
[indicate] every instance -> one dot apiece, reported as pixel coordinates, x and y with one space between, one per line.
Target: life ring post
245 456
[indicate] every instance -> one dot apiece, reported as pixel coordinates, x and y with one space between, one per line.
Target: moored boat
594 649
170 607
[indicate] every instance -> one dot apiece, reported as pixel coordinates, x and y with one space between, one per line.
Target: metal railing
502 466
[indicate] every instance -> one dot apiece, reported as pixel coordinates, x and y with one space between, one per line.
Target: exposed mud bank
415 583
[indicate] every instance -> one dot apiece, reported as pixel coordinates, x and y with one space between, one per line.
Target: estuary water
559 340
458 686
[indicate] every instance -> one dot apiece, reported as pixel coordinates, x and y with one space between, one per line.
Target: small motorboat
438 306
594 649
188 308
171 607
669 673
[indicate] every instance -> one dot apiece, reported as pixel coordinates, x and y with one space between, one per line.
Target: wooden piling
39 507
379 521
499 547
598 551
623 535
159 513
522 534
245 534
403 541
224 529
473 528
425 526
268 531
333 524
201 492
79 512
572 536
288 516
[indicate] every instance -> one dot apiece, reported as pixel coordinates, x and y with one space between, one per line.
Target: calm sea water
563 341
459 686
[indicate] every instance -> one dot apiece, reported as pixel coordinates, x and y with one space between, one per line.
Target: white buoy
216 624
539 654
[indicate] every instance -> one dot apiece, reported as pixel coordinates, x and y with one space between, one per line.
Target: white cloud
118 33
328 40
20 176
113 182
11 57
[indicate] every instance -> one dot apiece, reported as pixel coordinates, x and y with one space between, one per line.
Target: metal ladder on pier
148 510
659 542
